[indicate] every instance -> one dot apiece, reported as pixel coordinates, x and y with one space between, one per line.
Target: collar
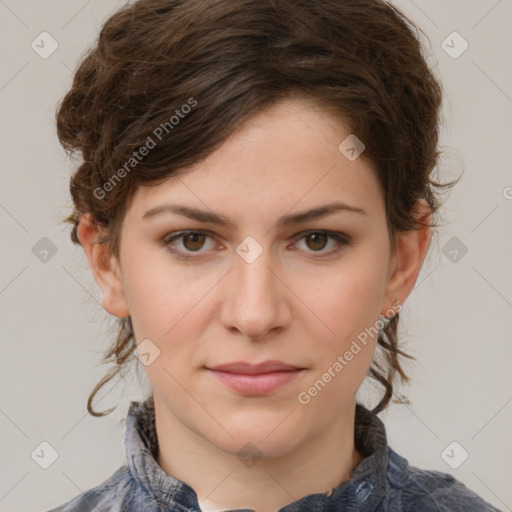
363 492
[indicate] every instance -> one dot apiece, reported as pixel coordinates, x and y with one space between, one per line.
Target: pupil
314 236
192 237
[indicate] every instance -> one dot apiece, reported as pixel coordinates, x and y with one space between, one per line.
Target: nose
255 298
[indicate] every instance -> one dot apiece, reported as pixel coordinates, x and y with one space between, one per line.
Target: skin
291 304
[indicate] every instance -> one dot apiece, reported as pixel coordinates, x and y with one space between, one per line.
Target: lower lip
256 385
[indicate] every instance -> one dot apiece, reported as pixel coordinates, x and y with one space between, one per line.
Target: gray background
456 321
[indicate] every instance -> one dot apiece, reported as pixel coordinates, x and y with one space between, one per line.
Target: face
259 287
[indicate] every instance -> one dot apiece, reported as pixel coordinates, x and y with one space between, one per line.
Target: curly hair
225 61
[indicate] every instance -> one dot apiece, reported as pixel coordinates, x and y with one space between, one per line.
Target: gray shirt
383 482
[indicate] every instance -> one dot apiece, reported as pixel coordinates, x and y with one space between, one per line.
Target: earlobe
104 267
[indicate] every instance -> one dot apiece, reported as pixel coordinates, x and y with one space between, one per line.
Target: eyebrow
286 220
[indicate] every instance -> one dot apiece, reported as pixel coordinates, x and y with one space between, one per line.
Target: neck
221 482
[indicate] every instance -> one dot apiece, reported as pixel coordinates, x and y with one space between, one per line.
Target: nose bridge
253 276
257 299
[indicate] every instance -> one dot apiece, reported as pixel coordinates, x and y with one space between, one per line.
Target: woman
255 202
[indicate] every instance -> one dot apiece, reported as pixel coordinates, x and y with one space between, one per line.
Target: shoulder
416 489
107 496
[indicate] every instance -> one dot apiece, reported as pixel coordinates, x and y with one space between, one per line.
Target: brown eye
185 243
193 241
318 241
192 244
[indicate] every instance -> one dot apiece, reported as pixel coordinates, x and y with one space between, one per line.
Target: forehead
285 158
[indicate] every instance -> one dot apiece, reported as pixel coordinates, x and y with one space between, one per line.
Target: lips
255 380
244 368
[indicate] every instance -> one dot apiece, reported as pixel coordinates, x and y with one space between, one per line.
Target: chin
255 443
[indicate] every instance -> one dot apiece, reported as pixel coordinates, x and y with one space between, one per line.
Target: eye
192 241
318 240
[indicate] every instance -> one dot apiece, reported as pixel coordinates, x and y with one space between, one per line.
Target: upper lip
254 369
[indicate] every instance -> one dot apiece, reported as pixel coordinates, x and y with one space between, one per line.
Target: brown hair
185 74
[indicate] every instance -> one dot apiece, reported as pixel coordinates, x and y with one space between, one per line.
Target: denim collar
363 492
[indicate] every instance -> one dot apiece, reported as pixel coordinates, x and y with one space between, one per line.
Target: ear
105 268
406 263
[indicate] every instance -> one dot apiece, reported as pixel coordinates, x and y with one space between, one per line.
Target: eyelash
342 239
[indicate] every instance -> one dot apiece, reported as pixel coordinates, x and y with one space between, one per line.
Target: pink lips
255 380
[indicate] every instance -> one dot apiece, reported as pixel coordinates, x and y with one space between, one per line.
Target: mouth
256 380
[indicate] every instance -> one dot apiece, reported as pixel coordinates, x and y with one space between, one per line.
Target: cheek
157 294
169 305
350 306
351 300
